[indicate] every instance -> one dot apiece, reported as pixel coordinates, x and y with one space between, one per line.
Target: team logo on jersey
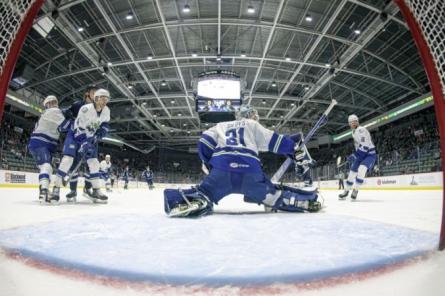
238 165
84 110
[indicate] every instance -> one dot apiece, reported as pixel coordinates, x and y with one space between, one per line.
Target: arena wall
426 181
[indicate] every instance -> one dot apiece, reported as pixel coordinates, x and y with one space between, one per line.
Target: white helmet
107 156
247 111
49 99
352 118
102 92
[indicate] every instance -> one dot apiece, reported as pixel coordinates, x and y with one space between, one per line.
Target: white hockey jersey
88 121
234 145
105 166
362 140
48 128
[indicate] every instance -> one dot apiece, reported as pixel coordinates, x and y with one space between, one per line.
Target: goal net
16 19
426 21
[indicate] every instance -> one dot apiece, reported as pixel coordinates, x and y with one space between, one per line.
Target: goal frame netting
14 28
425 28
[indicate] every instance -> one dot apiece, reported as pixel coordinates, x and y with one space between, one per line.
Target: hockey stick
286 164
339 163
68 177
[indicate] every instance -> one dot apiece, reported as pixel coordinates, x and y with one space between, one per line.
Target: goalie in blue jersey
229 152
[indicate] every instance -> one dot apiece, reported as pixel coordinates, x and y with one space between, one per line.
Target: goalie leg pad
297 200
186 203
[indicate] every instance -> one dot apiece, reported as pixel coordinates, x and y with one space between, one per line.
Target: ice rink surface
378 223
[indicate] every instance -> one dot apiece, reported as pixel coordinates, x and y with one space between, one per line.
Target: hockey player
105 170
71 113
362 160
44 140
303 165
148 175
126 176
229 151
90 125
112 178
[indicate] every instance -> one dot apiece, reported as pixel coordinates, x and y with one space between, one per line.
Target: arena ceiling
294 56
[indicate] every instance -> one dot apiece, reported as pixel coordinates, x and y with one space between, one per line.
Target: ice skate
43 194
71 197
87 192
98 197
54 197
354 194
314 206
343 195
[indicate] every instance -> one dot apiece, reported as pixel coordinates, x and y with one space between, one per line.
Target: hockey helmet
107 156
352 118
102 93
49 99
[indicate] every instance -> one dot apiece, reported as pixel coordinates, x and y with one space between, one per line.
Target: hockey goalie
229 153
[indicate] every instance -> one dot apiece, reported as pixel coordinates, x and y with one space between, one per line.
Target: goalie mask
248 112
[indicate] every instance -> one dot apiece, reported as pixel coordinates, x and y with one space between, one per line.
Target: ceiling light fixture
129 16
250 9
186 8
274 84
163 83
308 18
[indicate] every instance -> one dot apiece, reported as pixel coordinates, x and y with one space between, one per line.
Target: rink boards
426 181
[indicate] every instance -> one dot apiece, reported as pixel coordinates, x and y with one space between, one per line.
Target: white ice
419 210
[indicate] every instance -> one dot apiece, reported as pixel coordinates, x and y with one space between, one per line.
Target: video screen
219 88
217 105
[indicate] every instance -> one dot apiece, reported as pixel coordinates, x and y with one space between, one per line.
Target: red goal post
426 21
16 19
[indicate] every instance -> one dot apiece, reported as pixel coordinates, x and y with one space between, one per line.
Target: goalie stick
286 164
